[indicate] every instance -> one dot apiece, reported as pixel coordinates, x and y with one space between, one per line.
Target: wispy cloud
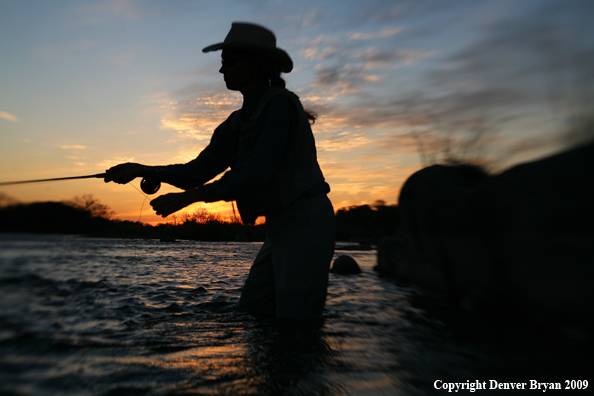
509 89
522 76
85 44
197 118
106 164
101 12
73 147
348 63
387 32
7 116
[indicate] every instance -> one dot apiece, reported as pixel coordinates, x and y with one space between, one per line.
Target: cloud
85 44
344 141
539 58
125 58
349 65
73 147
384 33
102 12
106 164
8 116
514 71
508 90
374 58
342 80
197 118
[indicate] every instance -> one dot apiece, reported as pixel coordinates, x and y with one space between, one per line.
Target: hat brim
214 47
280 55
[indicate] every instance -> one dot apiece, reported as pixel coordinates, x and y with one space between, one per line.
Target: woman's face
238 70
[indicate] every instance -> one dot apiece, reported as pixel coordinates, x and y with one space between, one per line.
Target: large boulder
521 239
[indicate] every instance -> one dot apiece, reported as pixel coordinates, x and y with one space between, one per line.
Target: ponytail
271 72
311 115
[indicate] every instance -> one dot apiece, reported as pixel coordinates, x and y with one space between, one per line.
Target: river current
91 316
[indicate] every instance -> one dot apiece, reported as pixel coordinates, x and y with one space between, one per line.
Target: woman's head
250 67
251 58
250 50
249 37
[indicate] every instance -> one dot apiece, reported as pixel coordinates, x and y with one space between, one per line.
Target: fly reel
149 185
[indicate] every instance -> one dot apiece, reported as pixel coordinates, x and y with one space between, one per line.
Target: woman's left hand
172 202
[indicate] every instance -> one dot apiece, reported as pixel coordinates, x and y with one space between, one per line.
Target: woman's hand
172 202
125 173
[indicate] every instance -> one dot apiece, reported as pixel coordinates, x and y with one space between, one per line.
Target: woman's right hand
125 173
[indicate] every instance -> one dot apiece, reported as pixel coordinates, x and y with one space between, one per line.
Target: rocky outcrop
523 239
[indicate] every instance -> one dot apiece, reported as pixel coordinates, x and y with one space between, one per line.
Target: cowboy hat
248 36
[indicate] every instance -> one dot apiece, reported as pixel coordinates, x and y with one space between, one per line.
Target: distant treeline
366 223
87 216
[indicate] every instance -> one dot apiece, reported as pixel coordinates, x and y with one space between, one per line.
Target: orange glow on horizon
147 215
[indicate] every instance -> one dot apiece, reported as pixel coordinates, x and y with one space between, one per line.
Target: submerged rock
168 239
345 265
242 237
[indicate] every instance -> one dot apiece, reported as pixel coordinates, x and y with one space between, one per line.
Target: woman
270 148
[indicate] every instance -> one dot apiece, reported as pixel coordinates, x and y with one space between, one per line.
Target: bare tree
201 216
6 200
90 204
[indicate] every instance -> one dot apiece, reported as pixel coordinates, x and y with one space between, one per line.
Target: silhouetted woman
270 148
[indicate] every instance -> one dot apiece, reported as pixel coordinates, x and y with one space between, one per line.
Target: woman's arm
125 173
213 160
280 120
172 202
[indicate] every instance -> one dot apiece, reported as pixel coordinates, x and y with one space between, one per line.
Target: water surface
82 316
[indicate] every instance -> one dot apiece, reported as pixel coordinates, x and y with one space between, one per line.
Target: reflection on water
123 317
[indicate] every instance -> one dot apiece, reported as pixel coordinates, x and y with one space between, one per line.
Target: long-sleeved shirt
270 148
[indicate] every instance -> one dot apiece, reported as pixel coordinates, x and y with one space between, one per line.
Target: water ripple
85 316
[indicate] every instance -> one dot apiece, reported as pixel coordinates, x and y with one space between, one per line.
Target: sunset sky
85 85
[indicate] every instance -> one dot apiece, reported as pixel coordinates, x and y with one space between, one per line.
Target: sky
397 85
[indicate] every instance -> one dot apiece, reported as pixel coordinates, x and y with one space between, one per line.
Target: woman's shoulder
275 92
230 124
281 97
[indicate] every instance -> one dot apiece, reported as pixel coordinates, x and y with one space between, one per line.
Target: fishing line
148 185
150 189
135 259
138 226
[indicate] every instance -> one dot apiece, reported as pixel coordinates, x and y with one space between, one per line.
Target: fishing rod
147 185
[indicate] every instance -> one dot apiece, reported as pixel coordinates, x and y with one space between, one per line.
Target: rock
168 239
522 239
345 265
242 237
537 225
393 262
391 255
442 248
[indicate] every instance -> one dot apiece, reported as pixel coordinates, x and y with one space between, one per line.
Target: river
92 316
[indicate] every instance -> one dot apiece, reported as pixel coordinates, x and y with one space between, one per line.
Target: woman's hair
270 70
273 75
